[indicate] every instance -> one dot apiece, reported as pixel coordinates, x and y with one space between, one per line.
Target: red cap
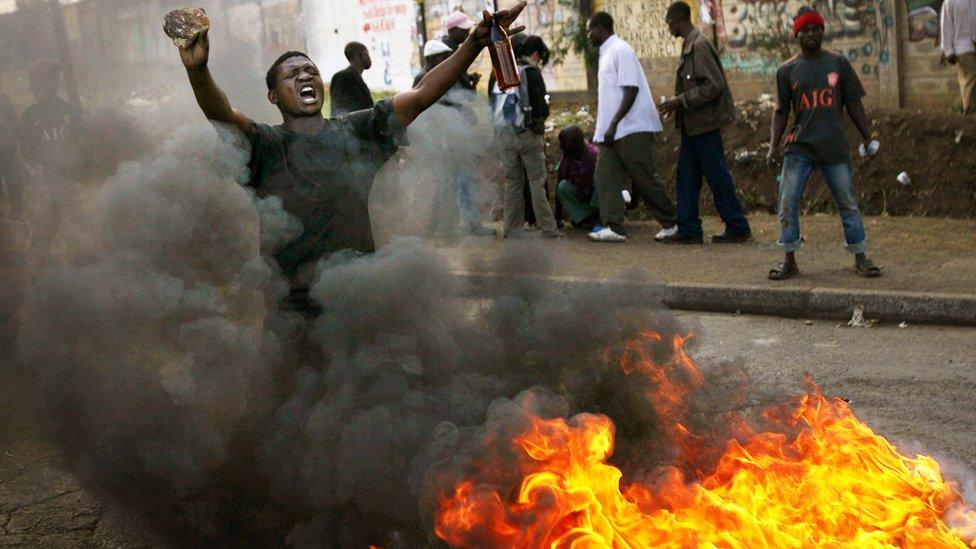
807 18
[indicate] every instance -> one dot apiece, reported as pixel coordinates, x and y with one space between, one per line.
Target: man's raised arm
210 97
409 104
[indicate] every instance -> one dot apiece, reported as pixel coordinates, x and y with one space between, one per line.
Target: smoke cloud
169 375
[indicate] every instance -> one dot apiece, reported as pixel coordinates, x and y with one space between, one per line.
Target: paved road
915 385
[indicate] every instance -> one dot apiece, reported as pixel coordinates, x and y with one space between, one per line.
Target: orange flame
832 482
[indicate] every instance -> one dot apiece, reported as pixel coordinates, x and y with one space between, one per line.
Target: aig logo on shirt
820 98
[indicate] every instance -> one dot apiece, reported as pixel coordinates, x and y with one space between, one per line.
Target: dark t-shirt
324 180
348 92
816 91
49 131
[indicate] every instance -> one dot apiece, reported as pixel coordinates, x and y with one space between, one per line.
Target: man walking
626 121
958 30
348 91
702 105
817 86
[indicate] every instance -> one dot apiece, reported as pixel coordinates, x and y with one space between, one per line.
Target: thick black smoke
170 376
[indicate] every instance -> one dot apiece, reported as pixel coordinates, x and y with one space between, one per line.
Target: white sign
387 27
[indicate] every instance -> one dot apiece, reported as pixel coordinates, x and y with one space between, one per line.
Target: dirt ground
938 151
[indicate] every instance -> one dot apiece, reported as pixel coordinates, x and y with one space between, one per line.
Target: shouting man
818 86
322 169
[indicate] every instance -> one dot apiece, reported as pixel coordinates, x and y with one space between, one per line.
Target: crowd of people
322 168
816 86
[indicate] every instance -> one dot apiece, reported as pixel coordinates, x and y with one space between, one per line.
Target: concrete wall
894 53
926 84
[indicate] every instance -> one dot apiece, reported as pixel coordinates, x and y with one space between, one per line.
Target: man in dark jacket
348 92
702 105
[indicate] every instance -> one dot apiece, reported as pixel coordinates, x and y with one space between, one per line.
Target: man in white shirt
626 122
958 30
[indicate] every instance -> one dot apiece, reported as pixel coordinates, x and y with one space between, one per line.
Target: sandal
867 269
784 271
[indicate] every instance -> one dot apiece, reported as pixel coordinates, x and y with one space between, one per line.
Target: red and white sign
388 28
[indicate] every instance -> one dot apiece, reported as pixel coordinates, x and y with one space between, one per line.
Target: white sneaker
606 234
664 233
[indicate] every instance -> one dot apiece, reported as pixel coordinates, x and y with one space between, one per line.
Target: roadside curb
822 303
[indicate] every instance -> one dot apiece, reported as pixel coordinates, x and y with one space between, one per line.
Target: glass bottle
503 58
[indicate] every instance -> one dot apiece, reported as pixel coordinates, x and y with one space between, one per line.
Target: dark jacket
701 86
349 93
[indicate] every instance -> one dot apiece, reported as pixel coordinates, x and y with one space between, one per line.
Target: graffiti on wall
641 24
555 21
757 35
923 19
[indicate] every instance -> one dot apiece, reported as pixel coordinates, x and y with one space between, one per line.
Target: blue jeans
704 155
840 180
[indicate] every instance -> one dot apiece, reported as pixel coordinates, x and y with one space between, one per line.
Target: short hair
352 48
535 44
272 77
518 44
603 20
570 134
804 9
679 9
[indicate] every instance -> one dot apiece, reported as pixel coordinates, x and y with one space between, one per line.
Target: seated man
575 189
322 169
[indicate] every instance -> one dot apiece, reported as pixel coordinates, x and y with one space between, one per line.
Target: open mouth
308 95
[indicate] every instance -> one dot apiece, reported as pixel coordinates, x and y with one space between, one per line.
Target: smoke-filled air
404 404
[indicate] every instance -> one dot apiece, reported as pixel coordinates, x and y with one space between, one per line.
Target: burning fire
815 477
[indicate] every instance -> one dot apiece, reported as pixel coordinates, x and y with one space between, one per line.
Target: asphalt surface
915 385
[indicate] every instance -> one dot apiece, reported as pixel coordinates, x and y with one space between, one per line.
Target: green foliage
582 46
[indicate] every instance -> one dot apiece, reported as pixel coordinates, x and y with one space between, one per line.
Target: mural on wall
555 21
641 24
923 19
757 36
